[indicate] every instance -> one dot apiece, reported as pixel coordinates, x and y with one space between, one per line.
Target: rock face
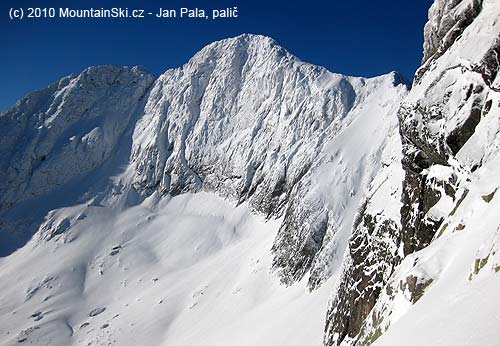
441 115
447 21
446 125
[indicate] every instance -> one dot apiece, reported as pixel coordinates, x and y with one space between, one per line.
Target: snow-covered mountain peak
64 132
166 211
243 119
233 52
249 121
251 51
251 43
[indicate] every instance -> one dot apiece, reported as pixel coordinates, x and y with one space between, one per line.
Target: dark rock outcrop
373 256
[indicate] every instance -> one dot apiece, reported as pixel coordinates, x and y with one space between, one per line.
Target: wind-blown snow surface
188 270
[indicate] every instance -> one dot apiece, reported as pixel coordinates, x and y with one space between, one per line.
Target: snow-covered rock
143 194
424 277
449 120
66 131
374 250
447 21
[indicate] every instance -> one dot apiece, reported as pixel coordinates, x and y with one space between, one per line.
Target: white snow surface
118 261
190 270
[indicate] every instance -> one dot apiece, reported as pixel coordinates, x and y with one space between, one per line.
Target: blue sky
354 37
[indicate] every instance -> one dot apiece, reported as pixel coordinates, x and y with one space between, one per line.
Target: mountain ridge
399 77
243 119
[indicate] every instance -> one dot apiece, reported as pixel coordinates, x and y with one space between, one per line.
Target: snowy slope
118 198
191 270
435 281
63 142
374 249
457 276
66 130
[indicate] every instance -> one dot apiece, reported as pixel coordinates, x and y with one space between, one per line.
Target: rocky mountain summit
159 204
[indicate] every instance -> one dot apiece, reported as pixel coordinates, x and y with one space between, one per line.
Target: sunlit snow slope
191 270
